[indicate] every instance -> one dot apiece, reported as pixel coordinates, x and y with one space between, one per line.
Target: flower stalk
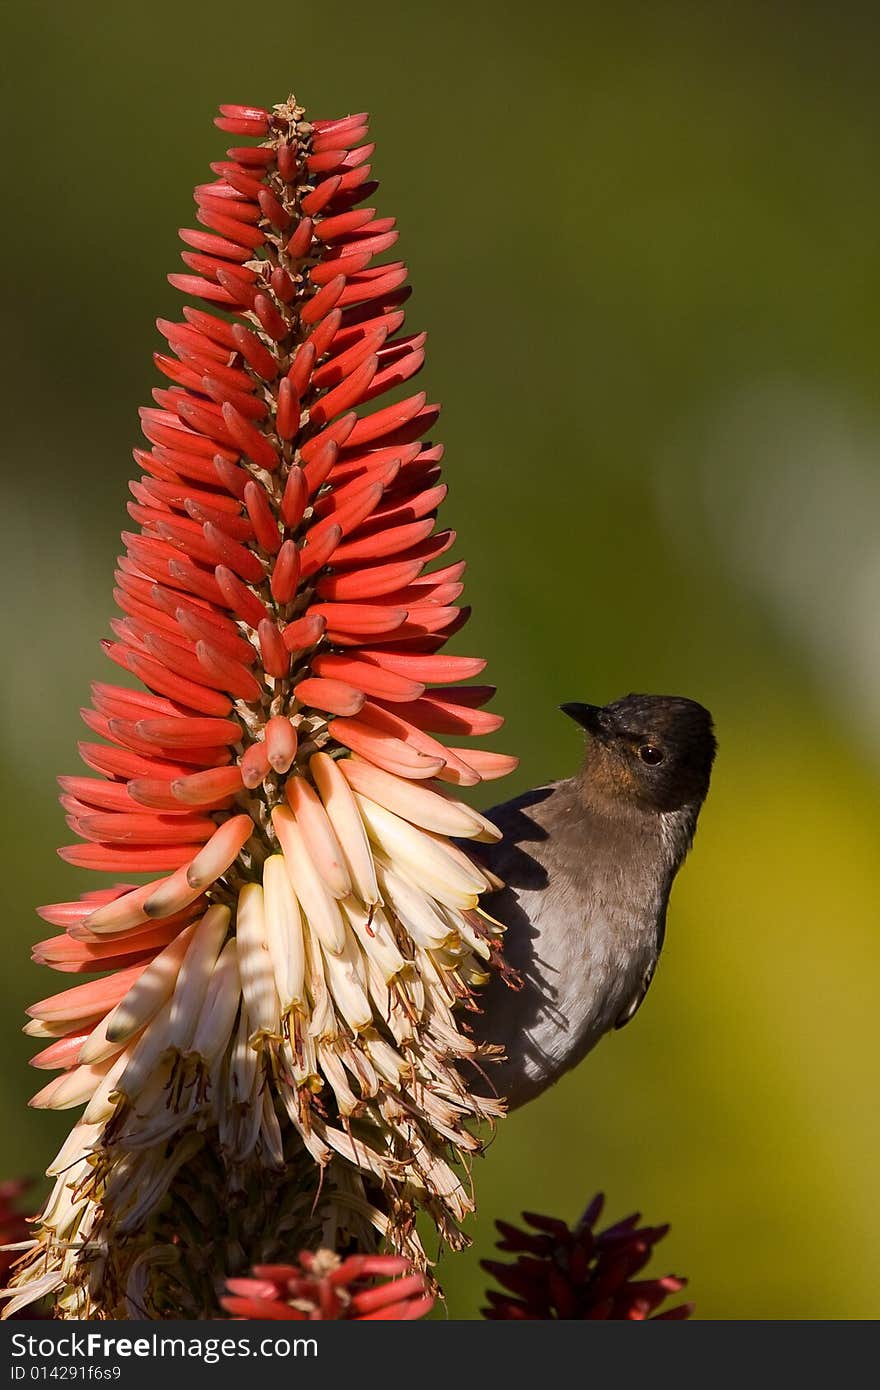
272 1056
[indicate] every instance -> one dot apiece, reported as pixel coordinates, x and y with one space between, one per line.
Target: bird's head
652 750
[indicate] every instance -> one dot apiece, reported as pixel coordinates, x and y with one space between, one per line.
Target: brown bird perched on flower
588 864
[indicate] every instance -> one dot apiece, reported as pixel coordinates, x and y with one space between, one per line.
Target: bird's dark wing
638 998
522 857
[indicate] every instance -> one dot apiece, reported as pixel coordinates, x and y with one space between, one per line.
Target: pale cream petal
322 1022
386 1059
79 1142
315 898
346 980
71 1088
254 961
195 975
146 1054
284 933
101 1107
334 1071
150 990
413 801
423 857
96 1047
375 936
413 907
219 1011
340 805
318 835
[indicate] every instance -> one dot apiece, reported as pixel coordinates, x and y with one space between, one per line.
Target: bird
587 864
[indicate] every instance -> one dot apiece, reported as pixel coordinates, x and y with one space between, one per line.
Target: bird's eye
651 755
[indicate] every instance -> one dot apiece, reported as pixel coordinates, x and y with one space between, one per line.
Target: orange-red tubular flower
283 990
321 1287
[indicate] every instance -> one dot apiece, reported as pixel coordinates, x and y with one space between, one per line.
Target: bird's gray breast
584 908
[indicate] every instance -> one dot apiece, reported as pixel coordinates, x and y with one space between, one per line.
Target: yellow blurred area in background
644 241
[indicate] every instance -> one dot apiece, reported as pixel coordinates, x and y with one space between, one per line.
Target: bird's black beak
588 716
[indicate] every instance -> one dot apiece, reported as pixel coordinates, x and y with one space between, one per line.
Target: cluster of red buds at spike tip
580 1273
279 1008
322 1287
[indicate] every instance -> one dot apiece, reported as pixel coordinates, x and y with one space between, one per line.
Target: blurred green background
643 238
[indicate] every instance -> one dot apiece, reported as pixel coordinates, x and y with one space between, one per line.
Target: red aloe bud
323 1287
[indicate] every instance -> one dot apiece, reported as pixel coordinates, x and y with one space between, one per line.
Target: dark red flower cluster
14 1229
13 1226
580 1273
323 1287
